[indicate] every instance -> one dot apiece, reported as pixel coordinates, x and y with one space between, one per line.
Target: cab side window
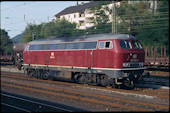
105 45
101 45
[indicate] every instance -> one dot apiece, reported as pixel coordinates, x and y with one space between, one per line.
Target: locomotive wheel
45 76
81 78
104 80
19 67
50 75
129 84
30 73
51 78
37 74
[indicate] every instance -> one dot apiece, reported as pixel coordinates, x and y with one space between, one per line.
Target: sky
15 15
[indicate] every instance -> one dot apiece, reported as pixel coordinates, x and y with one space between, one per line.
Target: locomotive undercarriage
127 80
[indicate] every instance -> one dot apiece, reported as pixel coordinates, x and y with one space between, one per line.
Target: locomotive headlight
141 64
126 64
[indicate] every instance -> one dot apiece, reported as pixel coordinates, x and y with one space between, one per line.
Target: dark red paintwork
98 58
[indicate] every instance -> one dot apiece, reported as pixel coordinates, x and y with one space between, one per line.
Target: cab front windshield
126 44
136 44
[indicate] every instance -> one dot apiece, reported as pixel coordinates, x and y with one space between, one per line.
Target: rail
19 103
148 93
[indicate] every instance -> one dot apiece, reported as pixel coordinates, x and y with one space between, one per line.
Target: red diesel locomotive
101 59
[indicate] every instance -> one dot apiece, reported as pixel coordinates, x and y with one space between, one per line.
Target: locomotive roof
83 38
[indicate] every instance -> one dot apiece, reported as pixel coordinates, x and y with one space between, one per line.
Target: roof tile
79 8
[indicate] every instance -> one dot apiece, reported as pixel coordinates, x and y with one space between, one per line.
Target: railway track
18 103
151 81
101 97
26 78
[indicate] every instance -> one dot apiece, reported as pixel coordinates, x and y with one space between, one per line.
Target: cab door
26 55
105 54
89 58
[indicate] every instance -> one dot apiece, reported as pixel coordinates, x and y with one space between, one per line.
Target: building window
149 5
81 14
82 23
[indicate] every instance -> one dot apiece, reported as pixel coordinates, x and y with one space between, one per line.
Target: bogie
82 78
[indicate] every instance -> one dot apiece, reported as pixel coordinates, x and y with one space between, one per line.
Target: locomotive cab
130 61
131 54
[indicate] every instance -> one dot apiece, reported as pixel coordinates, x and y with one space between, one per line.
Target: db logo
52 55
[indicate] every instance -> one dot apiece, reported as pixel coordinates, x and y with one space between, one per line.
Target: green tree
32 32
65 28
132 16
45 30
155 32
101 18
6 43
48 29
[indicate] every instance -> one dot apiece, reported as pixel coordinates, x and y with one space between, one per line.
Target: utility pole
24 17
113 17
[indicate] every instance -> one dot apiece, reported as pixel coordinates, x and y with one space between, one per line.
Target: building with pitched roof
83 16
79 14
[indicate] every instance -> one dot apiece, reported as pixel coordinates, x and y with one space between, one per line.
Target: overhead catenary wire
155 17
136 15
16 6
53 17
